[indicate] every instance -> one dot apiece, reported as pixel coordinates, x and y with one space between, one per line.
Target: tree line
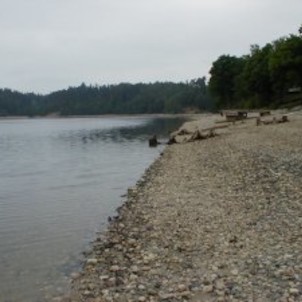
124 98
269 76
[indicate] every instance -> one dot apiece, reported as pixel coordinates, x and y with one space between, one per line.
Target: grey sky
46 45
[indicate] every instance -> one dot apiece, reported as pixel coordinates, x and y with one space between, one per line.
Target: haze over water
59 181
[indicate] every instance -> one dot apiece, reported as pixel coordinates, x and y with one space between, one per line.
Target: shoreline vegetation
211 220
267 77
130 116
123 98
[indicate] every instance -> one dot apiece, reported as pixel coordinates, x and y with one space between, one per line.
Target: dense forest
123 98
269 76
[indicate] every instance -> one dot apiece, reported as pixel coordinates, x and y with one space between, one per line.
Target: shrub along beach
216 219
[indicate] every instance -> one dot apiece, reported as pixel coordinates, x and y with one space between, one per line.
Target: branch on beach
186 136
274 120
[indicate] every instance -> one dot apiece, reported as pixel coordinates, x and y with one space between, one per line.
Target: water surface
59 181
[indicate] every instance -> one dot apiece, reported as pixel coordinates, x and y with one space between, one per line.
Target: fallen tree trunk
274 120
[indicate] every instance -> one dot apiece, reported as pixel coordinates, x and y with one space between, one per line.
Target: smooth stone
105 292
294 291
112 282
87 293
91 286
235 272
134 269
220 292
181 287
208 288
219 285
146 268
114 268
152 292
75 275
133 277
92 261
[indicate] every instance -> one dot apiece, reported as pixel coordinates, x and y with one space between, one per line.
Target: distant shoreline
155 115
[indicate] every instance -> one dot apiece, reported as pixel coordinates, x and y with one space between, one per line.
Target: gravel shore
212 220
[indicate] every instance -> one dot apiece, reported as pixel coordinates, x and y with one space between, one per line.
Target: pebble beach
217 219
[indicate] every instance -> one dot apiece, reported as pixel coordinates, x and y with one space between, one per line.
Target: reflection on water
59 181
159 126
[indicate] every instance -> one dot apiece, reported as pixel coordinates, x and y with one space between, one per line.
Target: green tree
224 74
254 84
285 64
124 98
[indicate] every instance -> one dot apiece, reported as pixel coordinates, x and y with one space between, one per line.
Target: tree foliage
224 73
285 64
262 78
123 98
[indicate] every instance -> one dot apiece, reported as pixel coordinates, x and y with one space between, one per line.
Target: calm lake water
59 181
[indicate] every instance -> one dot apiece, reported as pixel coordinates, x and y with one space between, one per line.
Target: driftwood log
199 134
274 120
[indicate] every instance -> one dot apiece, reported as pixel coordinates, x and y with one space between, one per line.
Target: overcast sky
46 45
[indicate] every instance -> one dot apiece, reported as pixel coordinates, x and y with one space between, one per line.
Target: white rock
75 275
294 291
235 272
87 293
134 269
92 261
219 284
132 241
133 277
208 288
114 268
181 287
105 292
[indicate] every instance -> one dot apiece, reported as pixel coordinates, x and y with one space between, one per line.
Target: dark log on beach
172 140
199 135
264 113
153 141
284 119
